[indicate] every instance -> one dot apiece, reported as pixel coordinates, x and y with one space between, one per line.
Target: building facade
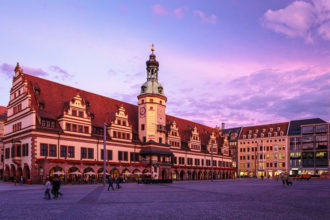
56 129
233 136
309 146
263 150
3 116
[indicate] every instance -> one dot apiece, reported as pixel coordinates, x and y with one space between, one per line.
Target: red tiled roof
3 113
55 96
258 129
3 109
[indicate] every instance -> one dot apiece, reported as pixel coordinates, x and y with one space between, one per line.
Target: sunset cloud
300 18
212 19
180 12
159 10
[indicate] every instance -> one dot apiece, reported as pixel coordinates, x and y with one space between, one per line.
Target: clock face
142 110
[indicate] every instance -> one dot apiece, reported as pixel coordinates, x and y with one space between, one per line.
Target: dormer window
271 129
124 123
269 134
281 133
275 134
262 134
87 103
119 122
37 91
81 114
41 106
244 136
74 113
278 128
256 131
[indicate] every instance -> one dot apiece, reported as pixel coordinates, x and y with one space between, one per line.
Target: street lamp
104 151
212 160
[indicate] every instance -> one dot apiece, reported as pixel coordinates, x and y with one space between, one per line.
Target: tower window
151 108
160 140
144 139
142 127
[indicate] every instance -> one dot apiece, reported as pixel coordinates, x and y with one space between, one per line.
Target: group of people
53 188
117 181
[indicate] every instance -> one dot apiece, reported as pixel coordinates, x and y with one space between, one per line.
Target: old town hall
53 129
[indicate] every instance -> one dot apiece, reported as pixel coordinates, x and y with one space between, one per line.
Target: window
134 156
52 150
74 128
119 122
90 153
109 152
208 163
25 148
197 162
160 140
18 150
43 150
81 114
321 128
128 136
120 155
124 123
126 156
13 151
83 153
307 130
114 134
144 139
142 127
68 127
63 151
119 135
7 153
86 130
190 161
74 112
80 128
71 151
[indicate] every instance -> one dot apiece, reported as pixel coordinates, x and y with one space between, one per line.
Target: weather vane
152 47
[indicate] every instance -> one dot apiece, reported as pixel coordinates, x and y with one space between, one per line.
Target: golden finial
152 47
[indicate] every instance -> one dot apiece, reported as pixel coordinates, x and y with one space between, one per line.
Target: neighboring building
53 128
309 146
233 135
263 151
3 115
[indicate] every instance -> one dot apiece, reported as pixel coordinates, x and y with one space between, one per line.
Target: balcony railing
155 162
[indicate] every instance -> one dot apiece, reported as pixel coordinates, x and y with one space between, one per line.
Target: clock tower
152 105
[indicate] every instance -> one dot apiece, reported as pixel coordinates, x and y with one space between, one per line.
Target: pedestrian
262 177
118 182
15 181
56 187
110 183
21 180
277 178
282 178
48 186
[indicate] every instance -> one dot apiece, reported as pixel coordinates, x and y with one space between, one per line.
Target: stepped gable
283 127
55 98
186 127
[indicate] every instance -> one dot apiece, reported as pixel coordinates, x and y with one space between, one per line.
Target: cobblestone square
226 199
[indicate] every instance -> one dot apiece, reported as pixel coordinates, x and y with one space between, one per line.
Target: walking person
110 183
47 191
21 180
118 182
283 181
56 187
262 177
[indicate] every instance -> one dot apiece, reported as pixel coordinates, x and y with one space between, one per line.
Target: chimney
222 126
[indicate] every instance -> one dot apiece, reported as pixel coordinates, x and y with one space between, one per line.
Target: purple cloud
180 12
63 74
7 70
300 19
159 10
212 19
